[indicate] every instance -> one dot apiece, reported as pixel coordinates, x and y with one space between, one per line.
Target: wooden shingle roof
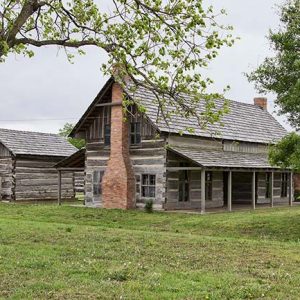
211 158
245 122
35 143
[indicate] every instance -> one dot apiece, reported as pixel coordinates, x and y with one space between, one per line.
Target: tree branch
64 43
29 8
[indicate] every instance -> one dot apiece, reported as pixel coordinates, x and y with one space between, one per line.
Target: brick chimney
262 102
118 184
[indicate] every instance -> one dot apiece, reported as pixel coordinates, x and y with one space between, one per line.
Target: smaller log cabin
27 161
129 163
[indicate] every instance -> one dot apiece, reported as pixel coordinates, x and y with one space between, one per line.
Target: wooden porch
235 208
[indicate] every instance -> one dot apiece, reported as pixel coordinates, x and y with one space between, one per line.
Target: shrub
149 206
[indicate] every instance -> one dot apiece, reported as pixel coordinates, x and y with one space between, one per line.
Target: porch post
59 187
271 190
253 190
291 191
202 191
229 191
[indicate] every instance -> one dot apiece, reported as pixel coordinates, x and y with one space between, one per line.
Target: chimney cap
261 102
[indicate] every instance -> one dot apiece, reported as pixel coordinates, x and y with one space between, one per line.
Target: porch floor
235 207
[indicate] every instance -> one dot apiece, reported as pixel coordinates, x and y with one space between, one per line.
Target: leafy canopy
66 130
286 153
281 74
163 44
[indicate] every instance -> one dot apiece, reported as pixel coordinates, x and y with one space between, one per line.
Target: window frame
209 186
284 185
142 186
135 136
268 185
107 142
184 184
99 185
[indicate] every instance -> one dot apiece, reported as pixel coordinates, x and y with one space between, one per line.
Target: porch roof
214 158
75 161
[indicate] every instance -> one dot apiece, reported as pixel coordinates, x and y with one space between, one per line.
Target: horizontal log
45 182
6 191
43 175
33 176
149 161
45 189
7 166
34 164
78 174
96 163
153 169
41 195
29 170
148 152
96 147
6 161
99 153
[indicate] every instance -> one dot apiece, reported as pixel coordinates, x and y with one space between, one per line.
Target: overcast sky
44 92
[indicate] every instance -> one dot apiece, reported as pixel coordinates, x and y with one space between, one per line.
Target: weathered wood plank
45 182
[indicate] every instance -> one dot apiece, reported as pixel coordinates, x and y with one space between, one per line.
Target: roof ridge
227 99
28 131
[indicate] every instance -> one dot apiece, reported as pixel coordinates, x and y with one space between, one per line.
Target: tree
286 153
66 130
161 44
281 74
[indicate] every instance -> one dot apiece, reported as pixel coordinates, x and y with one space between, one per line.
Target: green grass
51 252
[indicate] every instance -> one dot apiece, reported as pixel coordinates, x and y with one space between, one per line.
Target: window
97 181
135 133
284 184
107 134
208 186
268 182
148 186
184 188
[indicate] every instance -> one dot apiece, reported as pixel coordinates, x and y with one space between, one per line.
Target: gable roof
35 143
245 122
91 107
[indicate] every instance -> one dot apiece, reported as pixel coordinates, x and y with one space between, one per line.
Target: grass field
50 252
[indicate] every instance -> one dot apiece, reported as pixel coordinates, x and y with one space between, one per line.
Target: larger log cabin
27 161
142 159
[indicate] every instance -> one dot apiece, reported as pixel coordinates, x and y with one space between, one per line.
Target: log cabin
144 158
27 166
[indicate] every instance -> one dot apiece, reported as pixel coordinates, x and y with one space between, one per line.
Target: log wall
242 188
95 161
194 176
261 189
37 179
79 182
245 147
147 158
6 178
150 158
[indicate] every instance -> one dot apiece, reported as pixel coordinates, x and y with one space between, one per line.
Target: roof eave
104 89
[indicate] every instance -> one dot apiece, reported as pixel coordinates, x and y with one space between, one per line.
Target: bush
297 196
149 206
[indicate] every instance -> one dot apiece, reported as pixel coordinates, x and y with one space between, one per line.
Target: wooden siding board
38 180
7 179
